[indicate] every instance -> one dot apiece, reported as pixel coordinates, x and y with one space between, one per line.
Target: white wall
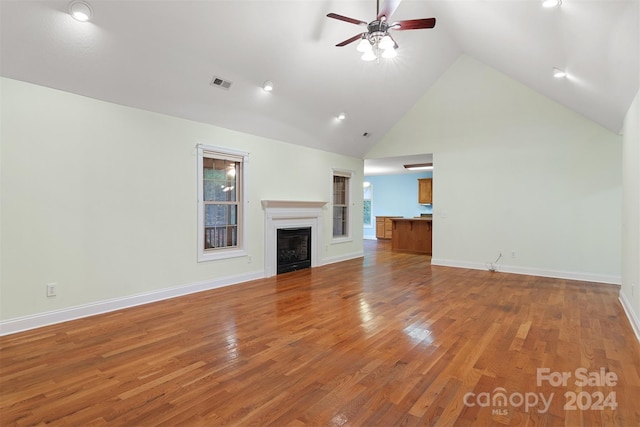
630 290
101 199
515 172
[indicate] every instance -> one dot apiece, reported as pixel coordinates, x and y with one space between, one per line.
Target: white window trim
372 219
243 231
349 174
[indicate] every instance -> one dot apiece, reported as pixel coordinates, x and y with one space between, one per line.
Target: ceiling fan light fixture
364 45
368 56
551 3
386 42
389 53
80 10
267 86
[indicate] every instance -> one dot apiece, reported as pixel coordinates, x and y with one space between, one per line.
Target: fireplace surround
285 214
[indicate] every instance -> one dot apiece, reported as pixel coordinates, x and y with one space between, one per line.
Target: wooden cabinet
384 227
412 235
425 191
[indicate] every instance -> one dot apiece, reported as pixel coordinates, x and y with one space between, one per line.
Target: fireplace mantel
292 204
289 214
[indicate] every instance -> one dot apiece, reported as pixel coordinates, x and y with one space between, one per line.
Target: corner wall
515 173
630 290
101 199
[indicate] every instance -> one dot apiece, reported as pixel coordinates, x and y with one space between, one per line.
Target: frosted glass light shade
389 53
364 46
386 43
368 56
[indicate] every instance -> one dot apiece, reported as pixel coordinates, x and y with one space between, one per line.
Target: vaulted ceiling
161 55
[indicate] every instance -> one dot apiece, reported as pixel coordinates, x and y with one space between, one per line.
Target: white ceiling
160 55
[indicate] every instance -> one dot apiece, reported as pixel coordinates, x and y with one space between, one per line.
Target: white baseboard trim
39 320
341 258
556 274
631 315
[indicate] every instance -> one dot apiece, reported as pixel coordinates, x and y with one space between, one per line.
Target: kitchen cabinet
412 235
384 227
425 191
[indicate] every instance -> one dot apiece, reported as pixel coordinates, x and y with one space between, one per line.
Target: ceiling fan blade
388 7
414 24
350 40
346 19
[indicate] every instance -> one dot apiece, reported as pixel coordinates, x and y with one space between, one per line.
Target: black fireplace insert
293 249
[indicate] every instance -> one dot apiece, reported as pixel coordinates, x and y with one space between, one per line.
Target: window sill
341 240
223 254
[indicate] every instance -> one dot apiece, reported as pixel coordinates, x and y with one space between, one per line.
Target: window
221 228
341 201
367 195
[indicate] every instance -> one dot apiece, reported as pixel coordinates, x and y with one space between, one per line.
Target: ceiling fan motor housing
377 30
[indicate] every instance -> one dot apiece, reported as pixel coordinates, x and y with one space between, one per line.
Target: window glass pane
339 221
220 180
339 190
367 192
220 237
220 215
367 212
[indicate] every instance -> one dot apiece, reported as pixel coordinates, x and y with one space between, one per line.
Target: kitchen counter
412 235
384 226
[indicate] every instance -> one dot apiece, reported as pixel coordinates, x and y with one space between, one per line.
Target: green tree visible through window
368 198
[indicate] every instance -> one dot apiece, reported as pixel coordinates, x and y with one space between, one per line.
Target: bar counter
412 235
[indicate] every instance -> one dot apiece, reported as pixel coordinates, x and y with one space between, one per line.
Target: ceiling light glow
267 86
389 53
386 43
419 166
80 11
342 116
551 3
368 55
558 73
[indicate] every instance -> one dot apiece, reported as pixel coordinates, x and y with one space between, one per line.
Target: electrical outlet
51 289
513 254
249 260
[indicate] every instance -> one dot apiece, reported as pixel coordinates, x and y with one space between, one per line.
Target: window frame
209 151
349 204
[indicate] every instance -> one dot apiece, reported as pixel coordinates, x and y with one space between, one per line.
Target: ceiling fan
377 38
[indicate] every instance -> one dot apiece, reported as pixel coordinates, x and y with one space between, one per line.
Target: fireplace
293 249
288 214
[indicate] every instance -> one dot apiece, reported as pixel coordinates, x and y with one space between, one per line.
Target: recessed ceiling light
80 10
551 3
342 116
267 86
558 73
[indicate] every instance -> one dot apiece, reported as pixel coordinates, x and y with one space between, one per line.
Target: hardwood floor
381 341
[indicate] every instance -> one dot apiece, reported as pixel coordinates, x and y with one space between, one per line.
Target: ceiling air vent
221 83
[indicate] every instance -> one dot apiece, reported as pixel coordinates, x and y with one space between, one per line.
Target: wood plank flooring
381 341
